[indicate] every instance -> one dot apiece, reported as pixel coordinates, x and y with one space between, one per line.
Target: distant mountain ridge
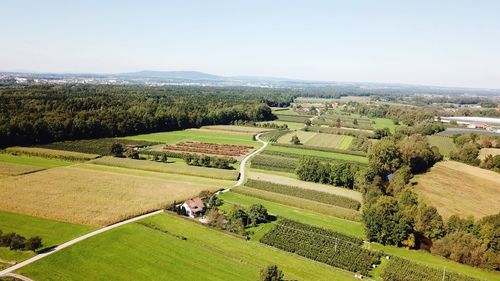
187 75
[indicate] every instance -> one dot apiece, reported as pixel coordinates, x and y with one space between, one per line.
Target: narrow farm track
9 271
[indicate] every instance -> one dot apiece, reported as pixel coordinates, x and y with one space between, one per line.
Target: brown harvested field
96 196
11 169
457 188
209 148
307 185
488 151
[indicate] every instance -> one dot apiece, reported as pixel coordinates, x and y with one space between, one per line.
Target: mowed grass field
488 151
199 135
319 139
176 168
323 154
428 259
444 143
98 195
381 123
11 169
457 188
52 232
138 252
34 161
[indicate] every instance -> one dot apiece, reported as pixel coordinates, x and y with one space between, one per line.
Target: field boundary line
9 270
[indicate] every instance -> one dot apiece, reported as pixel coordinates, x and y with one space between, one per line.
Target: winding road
9 271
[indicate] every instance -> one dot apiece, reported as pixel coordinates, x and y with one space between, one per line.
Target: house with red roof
194 207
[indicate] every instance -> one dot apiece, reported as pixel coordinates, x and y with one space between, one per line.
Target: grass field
445 144
51 153
34 161
488 151
137 252
306 185
437 262
11 169
177 168
97 195
287 111
52 232
304 204
199 135
323 154
381 123
319 139
457 188
298 214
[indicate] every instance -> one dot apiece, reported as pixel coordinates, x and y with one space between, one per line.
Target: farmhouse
194 207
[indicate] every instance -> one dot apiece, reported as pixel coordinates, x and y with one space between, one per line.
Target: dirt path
18 276
307 185
244 162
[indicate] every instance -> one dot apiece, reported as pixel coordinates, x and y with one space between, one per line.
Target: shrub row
17 242
314 195
274 163
51 153
208 161
402 269
322 245
94 146
325 149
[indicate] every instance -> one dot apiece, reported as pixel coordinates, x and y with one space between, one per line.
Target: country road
11 269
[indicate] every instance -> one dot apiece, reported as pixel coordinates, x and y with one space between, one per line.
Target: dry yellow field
457 188
318 139
488 151
88 195
11 169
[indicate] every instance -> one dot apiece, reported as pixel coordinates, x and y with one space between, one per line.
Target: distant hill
182 75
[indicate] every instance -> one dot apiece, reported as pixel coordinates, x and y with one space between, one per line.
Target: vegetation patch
51 153
94 146
40 162
457 188
314 195
322 245
322 215
209 148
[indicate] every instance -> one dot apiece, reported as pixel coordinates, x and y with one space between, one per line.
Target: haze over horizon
450 43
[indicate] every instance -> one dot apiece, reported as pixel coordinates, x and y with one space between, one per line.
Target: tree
385 223
429 222
271 273
295 140
416 152
399 180
163 157
116 149
308 122
33 243
467 154
341 175
355 121
385 157
257 213
238 215
381 133
17 242
307 169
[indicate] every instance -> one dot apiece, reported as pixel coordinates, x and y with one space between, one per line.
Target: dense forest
47 113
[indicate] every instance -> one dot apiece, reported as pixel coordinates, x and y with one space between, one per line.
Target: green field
175 168
138 252
291 125
436 262
444 143
52 232
300 215
285 112
197 135
323 154
34 161
381 123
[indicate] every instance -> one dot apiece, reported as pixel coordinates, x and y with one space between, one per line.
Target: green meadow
324 154
41 162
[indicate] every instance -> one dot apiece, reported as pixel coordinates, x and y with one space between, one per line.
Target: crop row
274 163
293 118
321 245
402 269
314 195
273 136
298 156
51 153
209 148
339 131
325 149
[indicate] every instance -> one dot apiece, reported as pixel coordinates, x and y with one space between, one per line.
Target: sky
439 42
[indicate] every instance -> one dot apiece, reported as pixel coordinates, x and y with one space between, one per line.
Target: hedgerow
402 269
95 146
314 195
322 245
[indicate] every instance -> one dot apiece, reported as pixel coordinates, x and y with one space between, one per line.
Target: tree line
48 113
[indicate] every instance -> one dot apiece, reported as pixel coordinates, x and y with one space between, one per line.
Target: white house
193 207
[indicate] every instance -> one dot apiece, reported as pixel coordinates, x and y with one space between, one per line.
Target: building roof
195 204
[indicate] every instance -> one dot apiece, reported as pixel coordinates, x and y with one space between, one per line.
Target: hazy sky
451 43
